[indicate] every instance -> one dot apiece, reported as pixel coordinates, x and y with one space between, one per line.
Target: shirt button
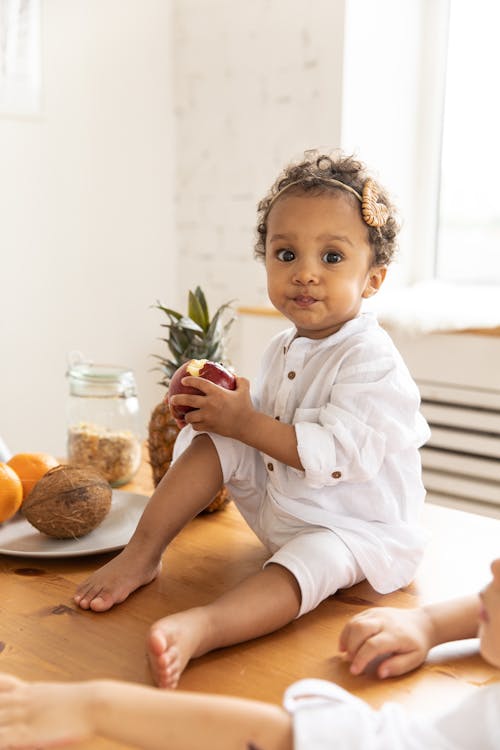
337 474
291 375
270 466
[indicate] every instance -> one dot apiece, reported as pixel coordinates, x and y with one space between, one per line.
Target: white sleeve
373 410
326 717
475 722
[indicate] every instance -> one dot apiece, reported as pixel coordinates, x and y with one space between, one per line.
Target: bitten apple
198 368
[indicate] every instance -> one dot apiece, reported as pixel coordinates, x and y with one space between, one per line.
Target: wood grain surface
43 635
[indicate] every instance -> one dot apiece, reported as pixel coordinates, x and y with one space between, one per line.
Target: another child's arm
46 714
231 413
401 638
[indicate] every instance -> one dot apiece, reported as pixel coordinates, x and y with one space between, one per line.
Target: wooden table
44 636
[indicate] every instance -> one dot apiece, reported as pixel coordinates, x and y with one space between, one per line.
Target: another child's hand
44 714
398 638
218 410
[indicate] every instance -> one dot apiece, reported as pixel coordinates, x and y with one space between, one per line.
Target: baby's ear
376 278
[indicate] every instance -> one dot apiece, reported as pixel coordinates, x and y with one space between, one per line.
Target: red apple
198 368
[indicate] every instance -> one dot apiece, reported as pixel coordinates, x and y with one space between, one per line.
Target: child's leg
189 486
258 605
44 715
308 567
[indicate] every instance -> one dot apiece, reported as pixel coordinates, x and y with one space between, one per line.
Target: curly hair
311 176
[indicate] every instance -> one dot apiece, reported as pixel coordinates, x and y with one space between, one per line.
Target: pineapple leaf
214 352
177 348
226 327
196 311
166 371
211 333
168 311
187 324
161 359
166 367
198 293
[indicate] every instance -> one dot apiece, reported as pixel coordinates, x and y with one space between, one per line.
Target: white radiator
459 379
462 457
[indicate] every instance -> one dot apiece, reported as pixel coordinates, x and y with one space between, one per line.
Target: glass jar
103 420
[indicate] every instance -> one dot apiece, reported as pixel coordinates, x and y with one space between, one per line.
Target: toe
157 642
84 587
85 594
83 603
81 595
166 679
159 657
101 602
167 668
169 680
86 601
172 657
173 674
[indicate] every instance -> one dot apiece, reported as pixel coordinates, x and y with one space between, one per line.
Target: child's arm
231 413
45 714
401 638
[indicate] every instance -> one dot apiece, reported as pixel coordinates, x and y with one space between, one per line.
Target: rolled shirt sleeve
335 451
369 413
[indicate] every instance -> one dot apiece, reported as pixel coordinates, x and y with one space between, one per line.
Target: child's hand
218 410
399 638
42 714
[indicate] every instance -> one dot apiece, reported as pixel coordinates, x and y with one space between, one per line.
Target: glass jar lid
89 379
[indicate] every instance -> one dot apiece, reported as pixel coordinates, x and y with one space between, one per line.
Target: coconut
68 502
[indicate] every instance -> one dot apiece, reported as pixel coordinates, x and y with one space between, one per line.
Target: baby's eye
332 256
285 255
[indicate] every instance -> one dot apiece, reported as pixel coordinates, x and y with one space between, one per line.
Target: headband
374 213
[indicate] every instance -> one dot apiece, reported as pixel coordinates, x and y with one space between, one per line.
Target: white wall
256 83
86 230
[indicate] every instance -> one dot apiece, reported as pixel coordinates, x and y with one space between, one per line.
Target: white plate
21 539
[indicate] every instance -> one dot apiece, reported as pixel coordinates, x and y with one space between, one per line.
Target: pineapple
193 337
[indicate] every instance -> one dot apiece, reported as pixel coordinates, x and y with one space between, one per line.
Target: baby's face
319 261
489 628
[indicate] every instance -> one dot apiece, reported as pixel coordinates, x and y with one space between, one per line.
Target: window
429 75
19 57
468 241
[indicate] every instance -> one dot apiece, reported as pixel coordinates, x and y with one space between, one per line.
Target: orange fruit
30 467
11 492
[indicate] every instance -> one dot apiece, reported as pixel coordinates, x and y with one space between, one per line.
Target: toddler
320 714
322 459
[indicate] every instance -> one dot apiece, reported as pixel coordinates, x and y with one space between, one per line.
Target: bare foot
173 641
112 583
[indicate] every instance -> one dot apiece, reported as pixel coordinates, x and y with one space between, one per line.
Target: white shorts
317 557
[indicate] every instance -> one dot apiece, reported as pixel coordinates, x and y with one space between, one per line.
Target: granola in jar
115 454
103 419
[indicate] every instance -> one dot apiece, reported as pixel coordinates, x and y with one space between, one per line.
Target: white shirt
355 408
326 717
